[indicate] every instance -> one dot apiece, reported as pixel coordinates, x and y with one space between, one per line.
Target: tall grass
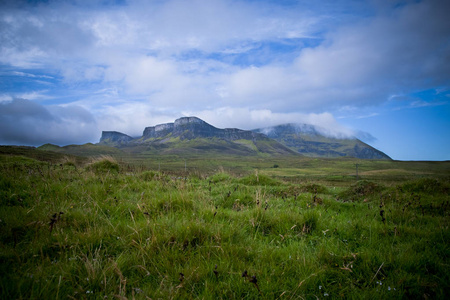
108 231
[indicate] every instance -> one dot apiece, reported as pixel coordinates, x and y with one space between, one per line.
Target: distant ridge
308 140
193 135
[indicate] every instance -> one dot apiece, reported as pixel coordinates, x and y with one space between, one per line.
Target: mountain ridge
197 127
193 135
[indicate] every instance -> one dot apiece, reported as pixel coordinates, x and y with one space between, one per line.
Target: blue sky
376 69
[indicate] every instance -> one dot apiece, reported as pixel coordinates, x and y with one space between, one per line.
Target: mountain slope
81 150
191 135
307 140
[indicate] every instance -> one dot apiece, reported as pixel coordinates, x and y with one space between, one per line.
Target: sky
378 70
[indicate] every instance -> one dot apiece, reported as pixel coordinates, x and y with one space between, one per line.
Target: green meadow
169 227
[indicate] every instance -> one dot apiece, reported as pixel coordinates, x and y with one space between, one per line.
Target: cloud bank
25 122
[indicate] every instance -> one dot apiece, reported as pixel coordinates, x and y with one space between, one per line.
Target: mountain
309 141
191 135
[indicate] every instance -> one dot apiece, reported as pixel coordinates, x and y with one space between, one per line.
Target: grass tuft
104 164
363 188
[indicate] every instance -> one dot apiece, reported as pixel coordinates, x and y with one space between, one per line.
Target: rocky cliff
193 127
115 138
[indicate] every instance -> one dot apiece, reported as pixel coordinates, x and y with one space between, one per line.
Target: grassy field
222 228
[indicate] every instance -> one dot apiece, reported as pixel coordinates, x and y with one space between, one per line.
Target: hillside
191 135
307 140
81 150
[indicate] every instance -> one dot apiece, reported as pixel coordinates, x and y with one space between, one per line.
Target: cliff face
188 128
158 131
115 138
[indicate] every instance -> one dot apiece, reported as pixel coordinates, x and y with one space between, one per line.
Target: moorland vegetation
175 228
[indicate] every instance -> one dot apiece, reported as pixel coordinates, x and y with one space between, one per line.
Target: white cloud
146 75
24 74
132 117
34 95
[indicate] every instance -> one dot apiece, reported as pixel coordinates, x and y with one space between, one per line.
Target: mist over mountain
193 135
310 140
